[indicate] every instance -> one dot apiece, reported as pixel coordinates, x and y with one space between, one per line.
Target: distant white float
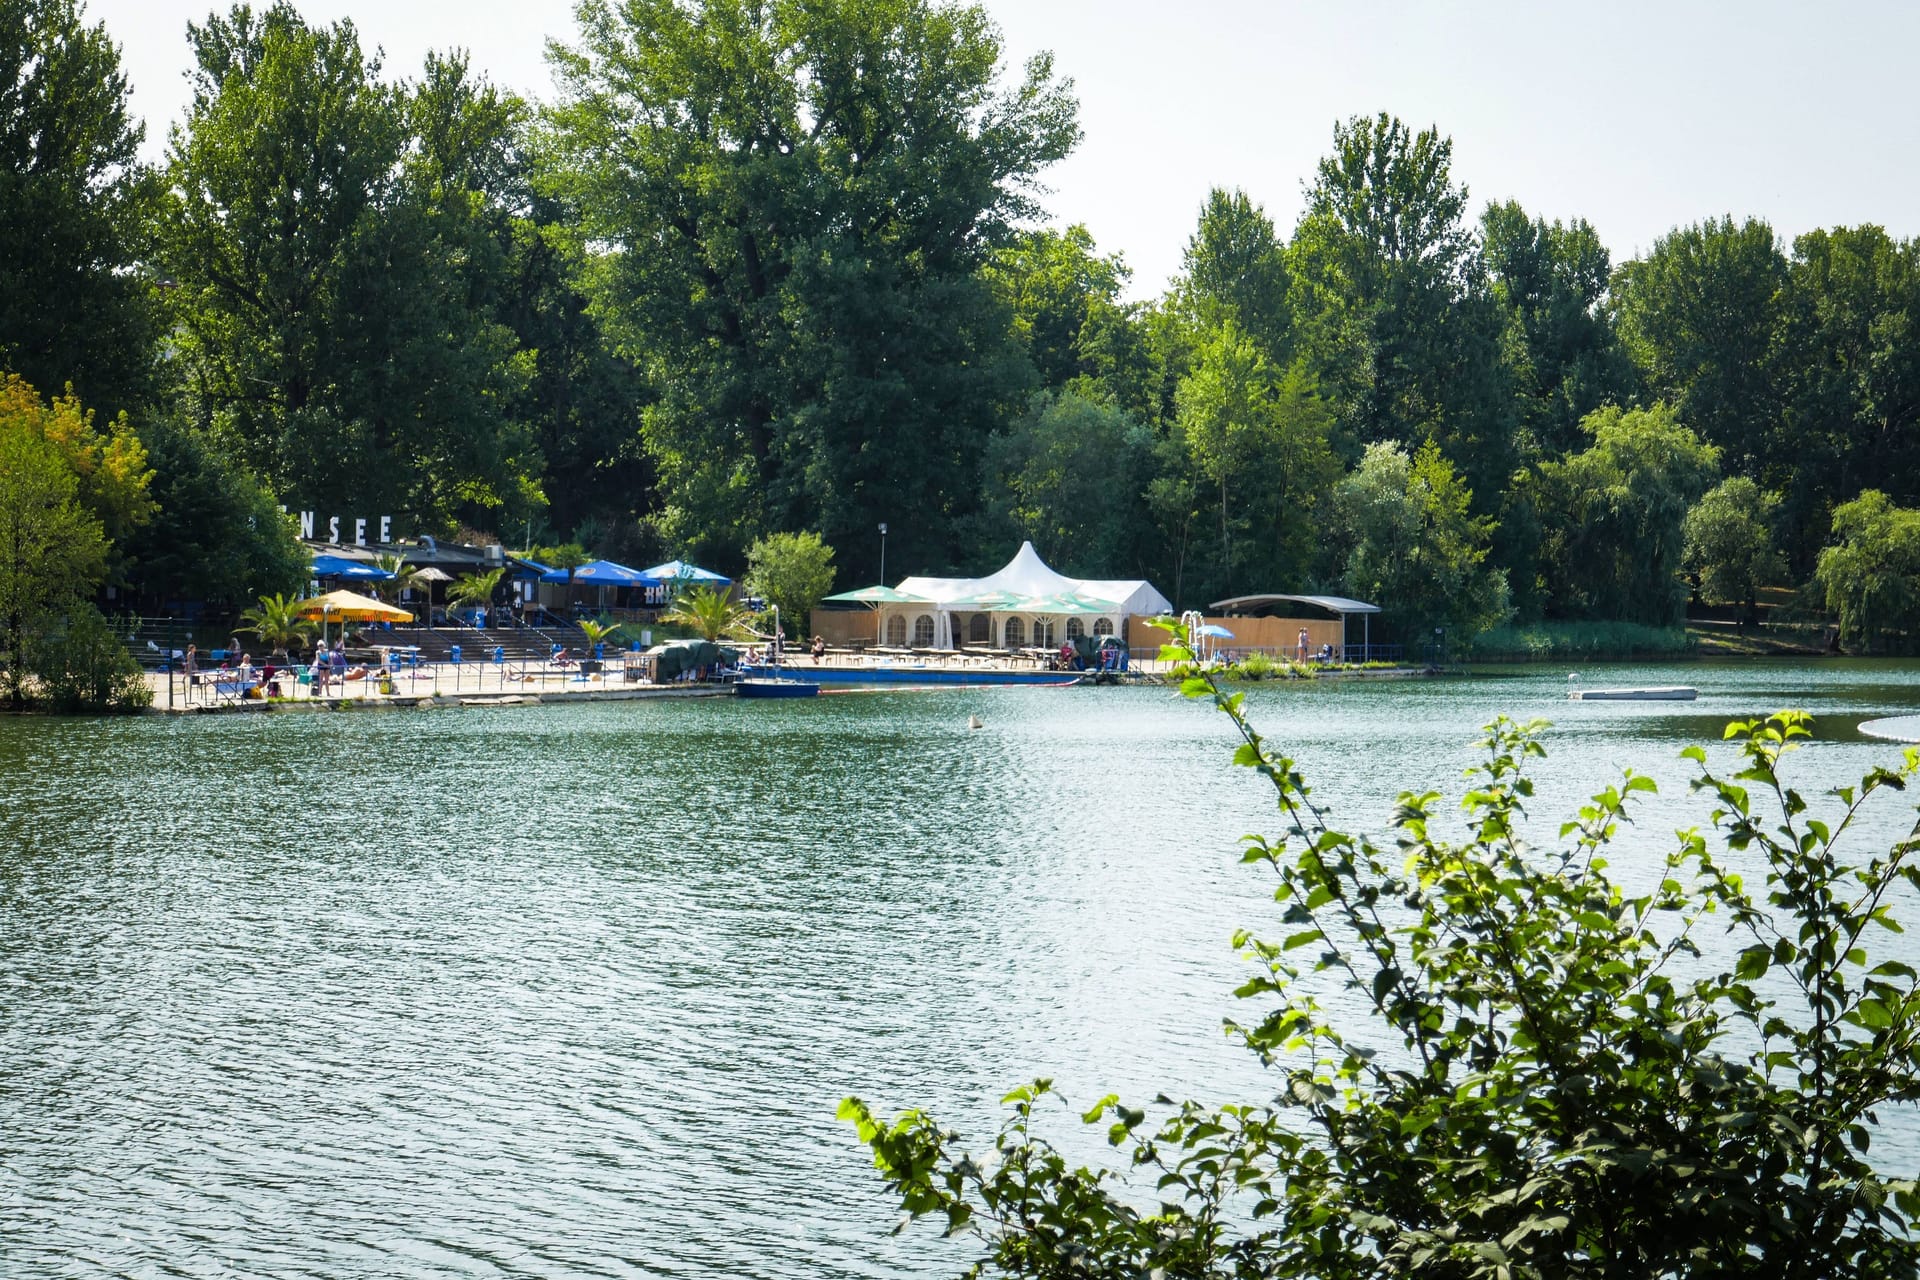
1664 693
1893 728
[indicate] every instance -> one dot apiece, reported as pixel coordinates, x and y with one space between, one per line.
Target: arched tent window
923 631
1042 633
897 631
979 629
1103 626
1074 629
1016 633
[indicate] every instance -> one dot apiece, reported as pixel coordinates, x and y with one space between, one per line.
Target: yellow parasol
348 607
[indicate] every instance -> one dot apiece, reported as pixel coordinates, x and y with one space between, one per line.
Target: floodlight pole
883 553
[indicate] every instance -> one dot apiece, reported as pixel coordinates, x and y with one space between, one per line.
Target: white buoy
975 722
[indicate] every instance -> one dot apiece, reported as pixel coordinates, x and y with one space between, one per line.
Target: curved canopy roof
874 595
681 571
1252 606
327 566
602 573
1027 576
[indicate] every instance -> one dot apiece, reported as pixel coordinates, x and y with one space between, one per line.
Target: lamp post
883 553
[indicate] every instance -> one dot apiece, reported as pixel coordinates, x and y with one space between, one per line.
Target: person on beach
191 665
317 670
1303 644
819 649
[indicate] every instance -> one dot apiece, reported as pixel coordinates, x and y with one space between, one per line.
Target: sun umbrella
681 571
341 567
348 607
431 574
877 596
604 573
880 595
986 600
1215 630
1053 604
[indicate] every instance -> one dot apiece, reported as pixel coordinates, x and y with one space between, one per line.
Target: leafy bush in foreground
1552 1082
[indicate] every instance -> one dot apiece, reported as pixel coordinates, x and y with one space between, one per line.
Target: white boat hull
1669 693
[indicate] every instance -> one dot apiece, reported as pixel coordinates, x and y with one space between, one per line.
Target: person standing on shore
1303 644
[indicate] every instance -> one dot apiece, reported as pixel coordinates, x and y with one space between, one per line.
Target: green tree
1870 575
1495 1061
1848 374
1235 271
335 281
568 555
81 665
403 579
1700 316
1729 543
1392 305
1054 283
1414 547
1562 356
1064 476
217 535
1261 433
75 307
1177 503
791 204
109 466
277 622
793 571
53 551
1616 516
475 588
710 612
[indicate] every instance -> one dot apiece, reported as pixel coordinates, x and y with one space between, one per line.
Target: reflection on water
574 990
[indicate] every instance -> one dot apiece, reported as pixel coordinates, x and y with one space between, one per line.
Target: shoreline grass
1592 641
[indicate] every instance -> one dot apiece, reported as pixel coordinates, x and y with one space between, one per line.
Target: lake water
574 990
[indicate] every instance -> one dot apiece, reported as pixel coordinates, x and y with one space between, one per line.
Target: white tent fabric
1026 576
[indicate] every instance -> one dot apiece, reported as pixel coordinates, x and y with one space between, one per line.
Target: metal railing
495 673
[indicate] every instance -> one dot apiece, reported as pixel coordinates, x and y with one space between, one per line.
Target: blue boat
775 687
887 677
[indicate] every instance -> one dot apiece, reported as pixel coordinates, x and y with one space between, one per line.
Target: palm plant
476 590
711 613
569 556
277 622
596 631
403 577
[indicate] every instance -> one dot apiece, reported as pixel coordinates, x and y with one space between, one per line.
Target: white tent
1026 576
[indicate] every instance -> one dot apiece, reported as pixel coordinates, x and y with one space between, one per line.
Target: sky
1634 115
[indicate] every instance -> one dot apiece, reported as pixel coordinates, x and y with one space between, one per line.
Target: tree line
765 267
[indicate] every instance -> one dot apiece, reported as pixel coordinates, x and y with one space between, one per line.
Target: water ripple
573 991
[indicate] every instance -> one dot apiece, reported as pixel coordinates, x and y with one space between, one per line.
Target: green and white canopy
1025 585
877 595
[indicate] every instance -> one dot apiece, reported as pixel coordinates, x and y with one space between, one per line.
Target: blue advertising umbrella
1215 630
681 571
603 573
341 567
